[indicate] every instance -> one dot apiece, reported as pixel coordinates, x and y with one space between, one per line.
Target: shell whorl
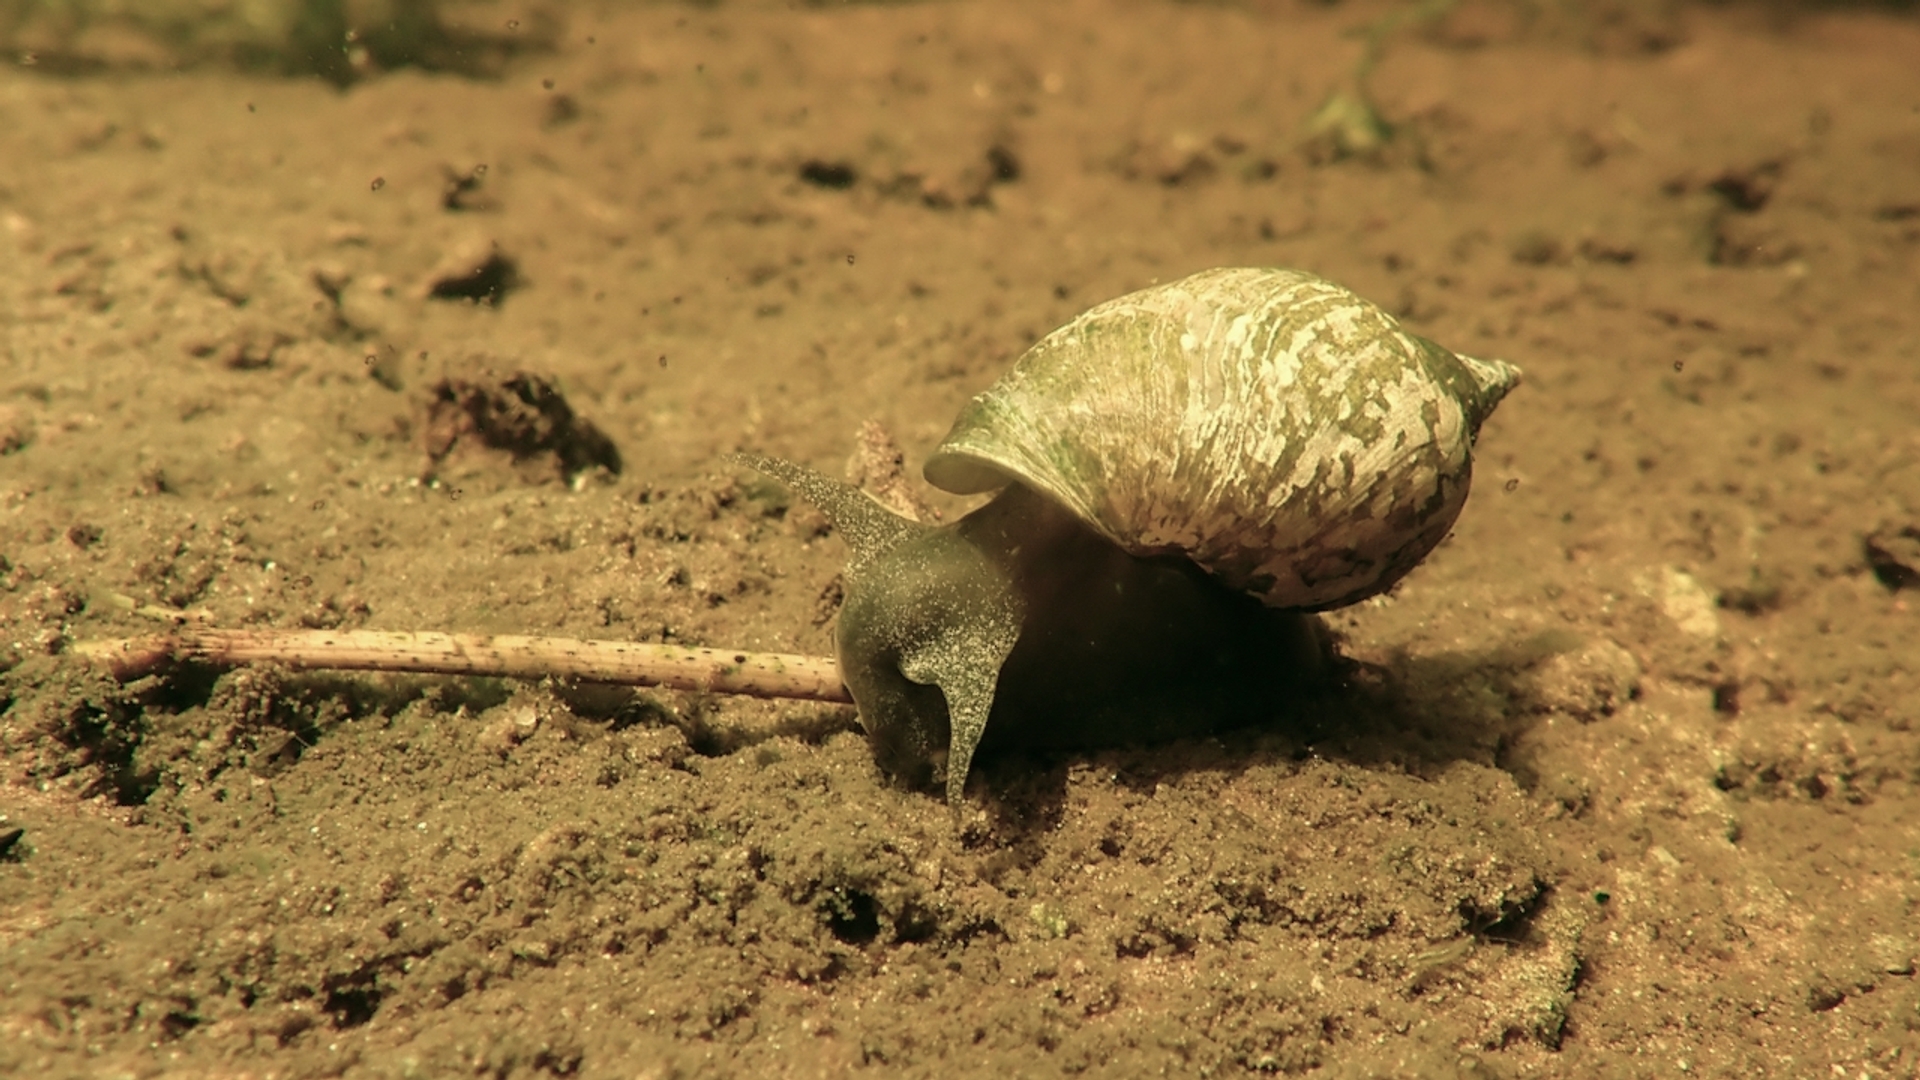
1282 432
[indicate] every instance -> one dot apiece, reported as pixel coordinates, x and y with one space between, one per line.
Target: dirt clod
1893 553
524 415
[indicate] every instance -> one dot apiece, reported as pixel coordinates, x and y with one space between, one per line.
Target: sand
1624 781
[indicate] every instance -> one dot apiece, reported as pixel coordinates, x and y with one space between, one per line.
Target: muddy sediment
1623 781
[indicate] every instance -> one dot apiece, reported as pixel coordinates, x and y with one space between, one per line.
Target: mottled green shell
1279 430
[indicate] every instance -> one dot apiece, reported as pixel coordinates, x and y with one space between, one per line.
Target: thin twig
721 671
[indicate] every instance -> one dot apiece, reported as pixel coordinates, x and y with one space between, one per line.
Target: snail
1183 474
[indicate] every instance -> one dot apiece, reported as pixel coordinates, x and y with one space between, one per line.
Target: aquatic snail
1184 474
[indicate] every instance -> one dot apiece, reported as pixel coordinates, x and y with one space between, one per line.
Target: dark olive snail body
1019 626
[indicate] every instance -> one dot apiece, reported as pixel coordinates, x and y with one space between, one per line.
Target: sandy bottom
1623 782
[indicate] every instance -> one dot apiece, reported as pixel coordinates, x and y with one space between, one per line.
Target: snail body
1183 473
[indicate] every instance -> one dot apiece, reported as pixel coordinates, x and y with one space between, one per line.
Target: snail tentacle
868 527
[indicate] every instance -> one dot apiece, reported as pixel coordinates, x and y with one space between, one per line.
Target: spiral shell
1282 432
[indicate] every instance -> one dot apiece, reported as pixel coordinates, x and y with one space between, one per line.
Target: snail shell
1277 429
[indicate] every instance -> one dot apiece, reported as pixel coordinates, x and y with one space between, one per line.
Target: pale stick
720 671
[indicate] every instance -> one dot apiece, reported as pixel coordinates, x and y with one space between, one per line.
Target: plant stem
721 671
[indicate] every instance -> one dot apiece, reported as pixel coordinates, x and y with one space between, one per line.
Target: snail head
928 618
